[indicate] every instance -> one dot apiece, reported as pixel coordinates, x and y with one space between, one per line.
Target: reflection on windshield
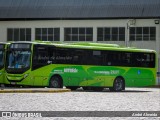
19 59
1 59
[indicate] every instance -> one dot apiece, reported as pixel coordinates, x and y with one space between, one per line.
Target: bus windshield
19 59
1 59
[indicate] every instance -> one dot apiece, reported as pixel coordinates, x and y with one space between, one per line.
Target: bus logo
70 70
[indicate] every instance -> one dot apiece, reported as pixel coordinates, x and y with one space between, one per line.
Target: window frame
71 35
142 36
108 33
15 34
44 34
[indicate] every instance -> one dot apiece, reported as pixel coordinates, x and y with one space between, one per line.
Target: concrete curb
34 90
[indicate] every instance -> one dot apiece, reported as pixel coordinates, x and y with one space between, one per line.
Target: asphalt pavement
132 99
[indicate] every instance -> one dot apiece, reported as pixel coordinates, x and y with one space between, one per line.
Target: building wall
89 23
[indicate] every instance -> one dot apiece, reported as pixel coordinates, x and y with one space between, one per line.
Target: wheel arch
56 75
123 81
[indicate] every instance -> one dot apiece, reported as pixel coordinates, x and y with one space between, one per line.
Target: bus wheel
118 85
55 82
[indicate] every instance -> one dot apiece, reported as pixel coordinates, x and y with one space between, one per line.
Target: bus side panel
136 77
72 75
41 75
103 75
2 79
77 75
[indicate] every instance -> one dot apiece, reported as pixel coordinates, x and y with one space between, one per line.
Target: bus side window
152 60
143 60
51 55
127 59
148 60
112 58
64 56
40 57
107 58
78 57
97 57
136 60
105 61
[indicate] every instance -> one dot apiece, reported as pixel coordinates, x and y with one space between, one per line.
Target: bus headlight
25 75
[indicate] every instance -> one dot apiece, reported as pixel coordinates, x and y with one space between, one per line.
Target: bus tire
56 82
118 85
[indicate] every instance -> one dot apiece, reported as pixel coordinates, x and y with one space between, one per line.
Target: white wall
86 23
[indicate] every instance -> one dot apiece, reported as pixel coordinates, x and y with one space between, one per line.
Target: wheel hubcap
119 84
55 83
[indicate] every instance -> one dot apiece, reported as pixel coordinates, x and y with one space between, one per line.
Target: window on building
47 34
111 34
142 34
78 34
19 34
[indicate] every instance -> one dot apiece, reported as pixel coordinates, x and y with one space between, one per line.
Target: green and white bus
2 62
90 66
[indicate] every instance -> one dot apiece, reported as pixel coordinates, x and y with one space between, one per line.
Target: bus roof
95 46
105 48
3 43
